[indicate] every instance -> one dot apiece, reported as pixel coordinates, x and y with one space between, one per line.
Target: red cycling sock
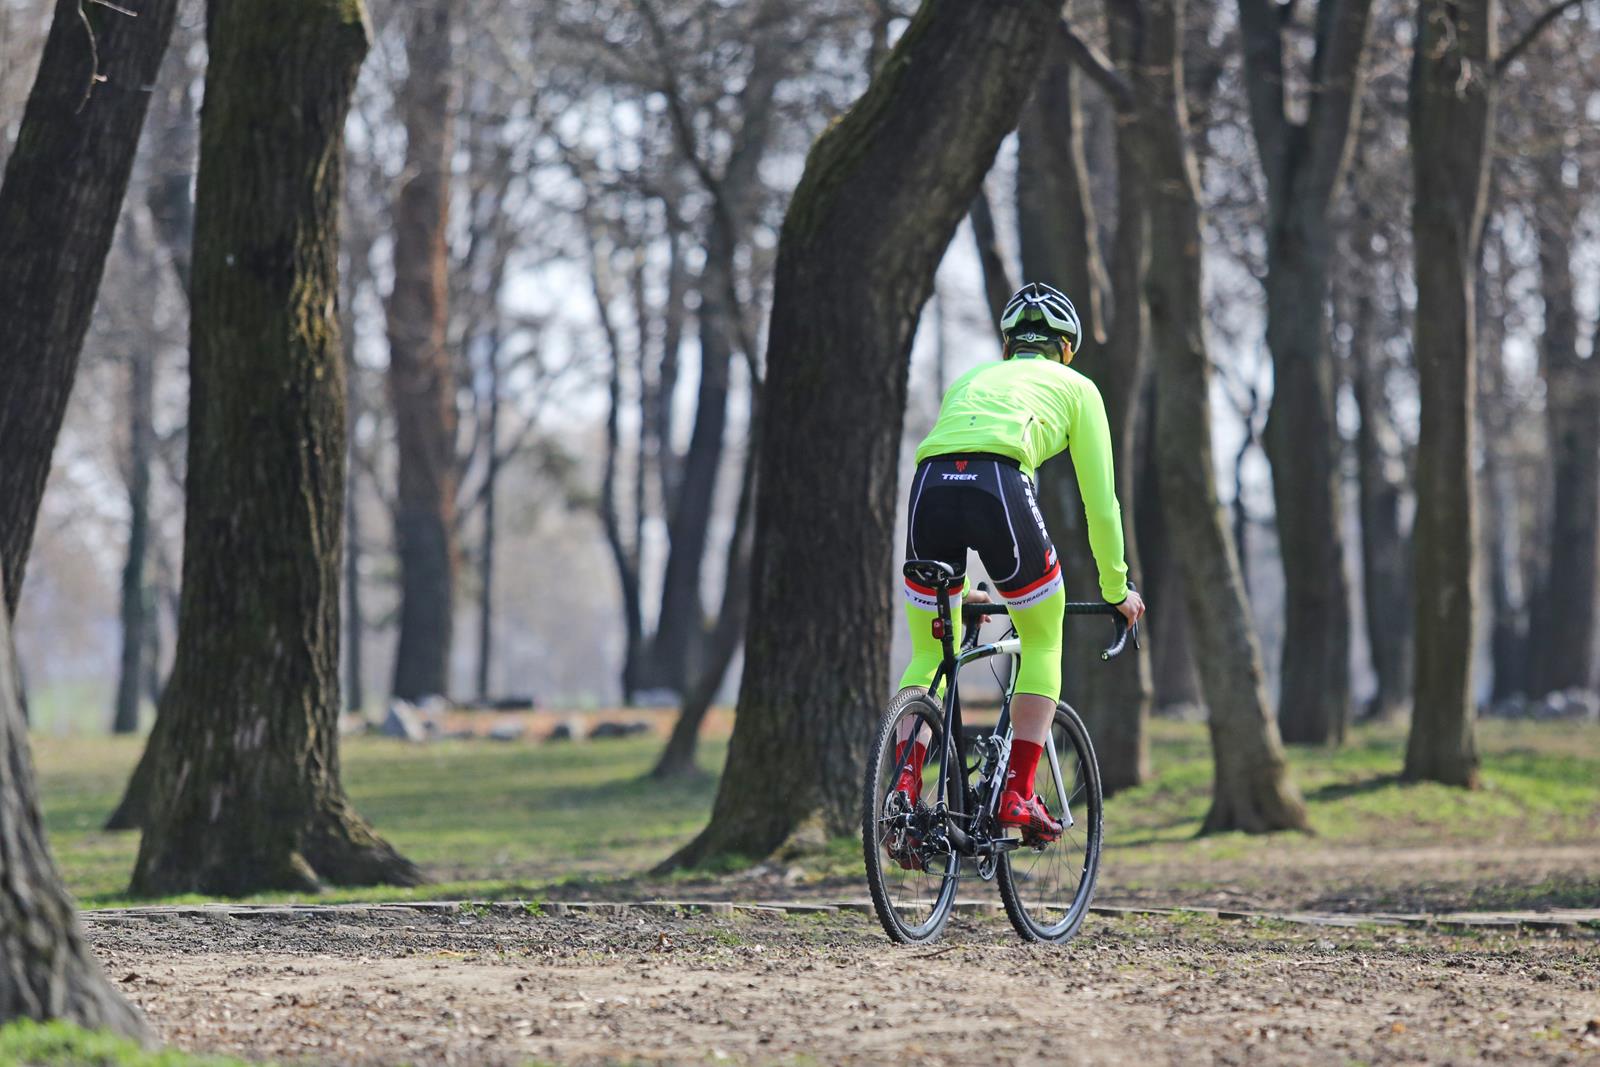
1019 771
919 753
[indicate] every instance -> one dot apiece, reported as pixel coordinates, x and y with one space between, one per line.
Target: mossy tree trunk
1060 246
59 203
883 191
1451 116
46 969
244 789
1251 789
422 378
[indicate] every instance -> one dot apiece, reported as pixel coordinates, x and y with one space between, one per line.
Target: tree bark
422 379
136 599
245 785
1304 162
883 191
1060 246
1564 651
1251 789
59 203
1451 109
46 968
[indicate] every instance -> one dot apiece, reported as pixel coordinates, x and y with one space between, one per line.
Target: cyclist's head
1039 320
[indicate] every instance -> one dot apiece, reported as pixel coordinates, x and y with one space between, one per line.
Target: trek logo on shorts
959 477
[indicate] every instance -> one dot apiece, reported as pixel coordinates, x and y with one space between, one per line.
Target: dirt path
390 987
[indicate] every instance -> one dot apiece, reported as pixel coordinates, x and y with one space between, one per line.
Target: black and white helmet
1037 312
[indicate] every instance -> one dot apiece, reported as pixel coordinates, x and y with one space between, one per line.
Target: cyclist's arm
1091 459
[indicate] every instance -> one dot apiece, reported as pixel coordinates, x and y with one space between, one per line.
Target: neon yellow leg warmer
1039 626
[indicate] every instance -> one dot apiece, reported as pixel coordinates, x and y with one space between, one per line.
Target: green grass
513 821
1540 784
484 819
57 1044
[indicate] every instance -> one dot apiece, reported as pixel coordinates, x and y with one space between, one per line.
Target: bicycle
1046 887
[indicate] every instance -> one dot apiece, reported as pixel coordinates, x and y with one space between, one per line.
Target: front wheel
1047 890
911 872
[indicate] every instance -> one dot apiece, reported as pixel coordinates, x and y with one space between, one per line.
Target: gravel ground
379 986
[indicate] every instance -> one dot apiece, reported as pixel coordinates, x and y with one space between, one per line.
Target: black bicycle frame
948 673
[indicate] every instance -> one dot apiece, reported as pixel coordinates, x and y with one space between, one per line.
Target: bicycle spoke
1047 889
913 885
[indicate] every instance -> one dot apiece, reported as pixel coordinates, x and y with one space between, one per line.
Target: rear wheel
1047 890
911 874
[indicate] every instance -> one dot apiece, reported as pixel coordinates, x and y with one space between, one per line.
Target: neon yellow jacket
1031 408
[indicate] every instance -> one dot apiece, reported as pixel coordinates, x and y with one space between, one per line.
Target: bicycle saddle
929 572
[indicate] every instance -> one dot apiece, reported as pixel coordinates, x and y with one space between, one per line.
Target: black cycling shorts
982 502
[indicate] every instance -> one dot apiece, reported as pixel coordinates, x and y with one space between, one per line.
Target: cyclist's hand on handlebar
1133 607
979 594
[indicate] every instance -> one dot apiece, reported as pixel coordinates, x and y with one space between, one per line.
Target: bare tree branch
1099 69
1509 56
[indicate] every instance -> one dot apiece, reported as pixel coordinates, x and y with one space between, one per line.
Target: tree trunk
46 968
623 554
680 632
1060 245
680 652
1504 500
1174 677
59 203
1251 790
997 287
1301 441
421 377
1452 98
359 273
491 484
1304 162
1566 627
678 757
245 785
1056 219
883 191
1385 553
136 600
355 623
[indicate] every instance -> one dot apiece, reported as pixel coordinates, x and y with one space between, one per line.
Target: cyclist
973 488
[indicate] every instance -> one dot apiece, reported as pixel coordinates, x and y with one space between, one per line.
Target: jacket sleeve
1091 459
